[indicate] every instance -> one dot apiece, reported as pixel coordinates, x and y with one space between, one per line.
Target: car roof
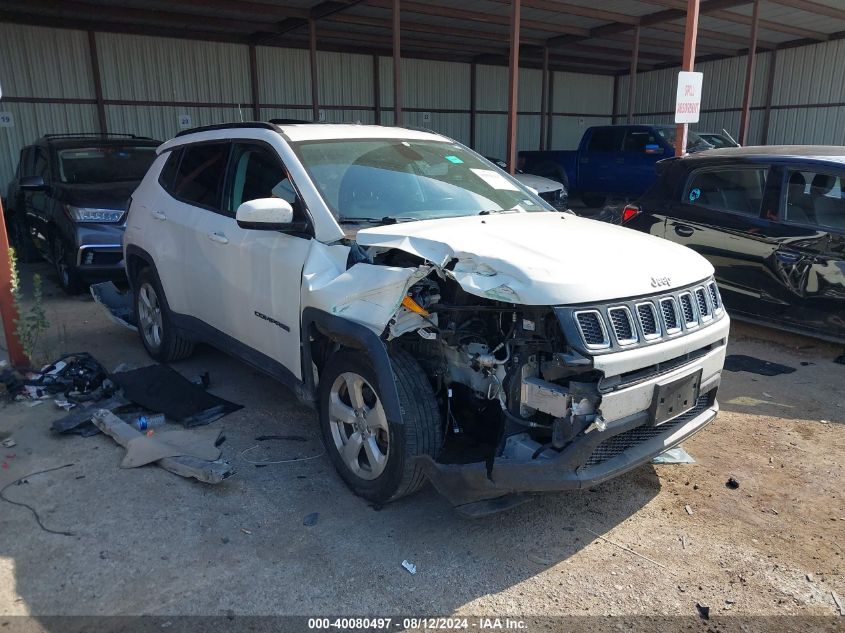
824 153
84 141
298 132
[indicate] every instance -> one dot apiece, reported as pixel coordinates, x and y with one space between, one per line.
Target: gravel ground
148 542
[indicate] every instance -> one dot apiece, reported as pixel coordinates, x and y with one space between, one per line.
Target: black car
68 199
771 220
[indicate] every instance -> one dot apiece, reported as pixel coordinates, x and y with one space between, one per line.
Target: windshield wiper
385 220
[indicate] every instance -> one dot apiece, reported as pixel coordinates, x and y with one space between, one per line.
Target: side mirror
266 214
33 183
653 148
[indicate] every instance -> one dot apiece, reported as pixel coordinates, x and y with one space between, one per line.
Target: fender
357 337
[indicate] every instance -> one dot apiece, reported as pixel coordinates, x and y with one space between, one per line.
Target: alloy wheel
359 425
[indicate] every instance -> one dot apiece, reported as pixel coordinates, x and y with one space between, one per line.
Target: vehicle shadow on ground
802 395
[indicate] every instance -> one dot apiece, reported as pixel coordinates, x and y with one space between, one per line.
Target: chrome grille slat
703 306
670 315
623 325
635 322
648 320
592 328
688 310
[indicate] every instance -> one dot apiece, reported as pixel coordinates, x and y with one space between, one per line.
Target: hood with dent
538 183
544 258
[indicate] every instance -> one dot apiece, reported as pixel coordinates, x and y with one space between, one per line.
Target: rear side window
732 189
606 139
200 174
637 140
41 166
167 176
815 199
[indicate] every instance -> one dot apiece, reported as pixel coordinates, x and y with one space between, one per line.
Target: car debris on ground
194 456
412 569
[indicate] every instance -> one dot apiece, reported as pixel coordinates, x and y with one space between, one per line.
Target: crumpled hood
544 258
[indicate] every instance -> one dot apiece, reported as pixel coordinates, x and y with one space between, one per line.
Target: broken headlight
86 214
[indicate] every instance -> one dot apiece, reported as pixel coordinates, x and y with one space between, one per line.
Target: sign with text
688 101
184 121
7 119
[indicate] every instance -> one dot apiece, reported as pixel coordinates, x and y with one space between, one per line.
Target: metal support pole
690 37
397 67
551 118
749 76
544 98
615 111
770 89
253 83
513 87
8 311
98 84
473 75
377 89
632 79
312 47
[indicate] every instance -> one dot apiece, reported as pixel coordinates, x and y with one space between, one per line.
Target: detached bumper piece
588 461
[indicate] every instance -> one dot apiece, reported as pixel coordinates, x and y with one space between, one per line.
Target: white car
549 190
444 320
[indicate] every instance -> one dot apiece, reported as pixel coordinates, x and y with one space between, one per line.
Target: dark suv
68 199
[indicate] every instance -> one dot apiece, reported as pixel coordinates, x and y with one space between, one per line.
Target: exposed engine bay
498 370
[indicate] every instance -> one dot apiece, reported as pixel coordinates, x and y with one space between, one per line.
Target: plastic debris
9 443
732 483
245 531
311 519
675 455
412 569
688 509
64 404
703 610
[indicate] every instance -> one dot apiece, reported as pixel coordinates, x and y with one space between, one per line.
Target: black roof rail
99 134
230 126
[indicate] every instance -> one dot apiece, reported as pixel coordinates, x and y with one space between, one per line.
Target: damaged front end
527 404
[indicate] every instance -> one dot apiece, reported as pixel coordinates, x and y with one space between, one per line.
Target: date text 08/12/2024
386 624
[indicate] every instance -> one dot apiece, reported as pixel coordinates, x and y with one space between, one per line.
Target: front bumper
589 460
99 250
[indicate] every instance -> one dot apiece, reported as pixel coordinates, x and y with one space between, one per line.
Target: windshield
377 180
113 163
694 141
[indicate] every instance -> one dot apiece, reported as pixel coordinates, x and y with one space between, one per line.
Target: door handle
159 215
683 230
218 237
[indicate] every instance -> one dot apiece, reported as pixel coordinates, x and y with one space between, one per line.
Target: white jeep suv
444 320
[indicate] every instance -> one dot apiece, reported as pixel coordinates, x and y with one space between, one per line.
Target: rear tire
159 336
373 456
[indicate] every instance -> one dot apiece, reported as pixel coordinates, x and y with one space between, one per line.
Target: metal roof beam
720 13
571 9
476 16
813 7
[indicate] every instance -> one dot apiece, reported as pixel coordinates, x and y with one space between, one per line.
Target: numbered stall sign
184 121
6 119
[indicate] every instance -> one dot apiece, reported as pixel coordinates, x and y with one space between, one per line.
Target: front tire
374 456
66 271
158 335
25 250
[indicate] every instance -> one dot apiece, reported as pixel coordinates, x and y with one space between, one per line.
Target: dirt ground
148 542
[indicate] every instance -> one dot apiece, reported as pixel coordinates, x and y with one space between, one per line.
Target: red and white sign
688 101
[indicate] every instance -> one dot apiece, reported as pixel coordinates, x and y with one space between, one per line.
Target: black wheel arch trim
355 336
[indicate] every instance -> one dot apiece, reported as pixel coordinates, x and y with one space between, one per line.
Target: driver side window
256 172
